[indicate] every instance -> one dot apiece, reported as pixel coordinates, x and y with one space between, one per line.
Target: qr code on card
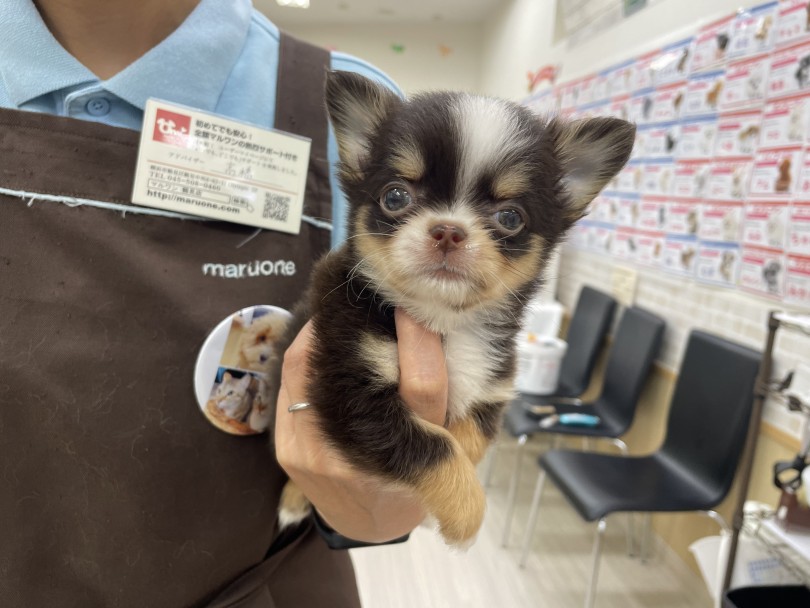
276 207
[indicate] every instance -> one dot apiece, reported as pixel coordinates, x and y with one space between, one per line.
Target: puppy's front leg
449 486
477 430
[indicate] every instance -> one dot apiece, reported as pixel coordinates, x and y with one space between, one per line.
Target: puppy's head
257 342
456 201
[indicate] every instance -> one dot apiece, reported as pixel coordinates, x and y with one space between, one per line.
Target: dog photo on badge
233 390
252 338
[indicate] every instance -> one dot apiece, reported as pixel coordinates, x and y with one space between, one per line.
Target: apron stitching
318 223
72 201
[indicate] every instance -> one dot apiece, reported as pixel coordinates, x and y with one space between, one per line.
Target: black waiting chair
693 470
589 325
635 347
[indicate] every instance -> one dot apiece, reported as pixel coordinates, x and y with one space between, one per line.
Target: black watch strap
338 541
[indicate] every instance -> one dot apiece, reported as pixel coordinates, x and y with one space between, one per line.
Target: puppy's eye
396 200
509 221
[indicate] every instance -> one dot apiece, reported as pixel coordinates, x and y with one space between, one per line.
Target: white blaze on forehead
489 130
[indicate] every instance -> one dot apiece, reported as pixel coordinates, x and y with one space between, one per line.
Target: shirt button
98 106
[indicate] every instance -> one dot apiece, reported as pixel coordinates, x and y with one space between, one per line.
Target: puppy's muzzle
447 236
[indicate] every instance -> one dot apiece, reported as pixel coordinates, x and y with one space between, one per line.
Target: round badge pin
230 377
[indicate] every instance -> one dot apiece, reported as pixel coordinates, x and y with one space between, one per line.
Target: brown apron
115 491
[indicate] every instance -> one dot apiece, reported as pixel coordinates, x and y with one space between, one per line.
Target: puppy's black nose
447 236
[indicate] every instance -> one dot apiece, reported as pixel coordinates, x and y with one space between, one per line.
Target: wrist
335 540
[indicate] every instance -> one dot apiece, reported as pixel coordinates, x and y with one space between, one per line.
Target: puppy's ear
591 152
356 108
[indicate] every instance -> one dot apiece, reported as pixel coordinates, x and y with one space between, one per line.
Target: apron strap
300 109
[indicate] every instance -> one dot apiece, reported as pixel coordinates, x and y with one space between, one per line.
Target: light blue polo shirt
222 59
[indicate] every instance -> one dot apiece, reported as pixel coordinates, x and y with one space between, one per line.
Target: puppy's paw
453 495
459 526
293 507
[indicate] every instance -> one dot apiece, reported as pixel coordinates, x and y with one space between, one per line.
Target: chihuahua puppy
455 205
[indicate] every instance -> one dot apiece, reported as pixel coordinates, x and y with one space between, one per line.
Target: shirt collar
34 63
190 67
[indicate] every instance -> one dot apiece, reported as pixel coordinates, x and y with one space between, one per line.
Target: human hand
347 499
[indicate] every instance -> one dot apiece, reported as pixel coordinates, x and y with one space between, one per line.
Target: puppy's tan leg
451 493
293 507
469 436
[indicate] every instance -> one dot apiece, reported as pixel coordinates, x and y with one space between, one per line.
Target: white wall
421 66
520 38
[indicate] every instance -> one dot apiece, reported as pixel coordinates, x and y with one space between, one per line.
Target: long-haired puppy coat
456 203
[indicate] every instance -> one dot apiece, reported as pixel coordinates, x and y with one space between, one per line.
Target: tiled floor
425 573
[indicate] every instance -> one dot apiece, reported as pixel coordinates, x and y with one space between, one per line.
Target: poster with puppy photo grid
792 22
765 224
696 138
785 121
753 30
718 188
744 84
711 44
799 229
738 134
762 272
623 244
718 263
797 282
702 93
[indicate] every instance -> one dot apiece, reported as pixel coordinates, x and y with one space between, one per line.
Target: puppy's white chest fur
473 355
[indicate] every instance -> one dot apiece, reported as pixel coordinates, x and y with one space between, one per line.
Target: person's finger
294 374
422 367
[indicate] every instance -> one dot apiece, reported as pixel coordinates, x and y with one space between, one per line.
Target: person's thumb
422 368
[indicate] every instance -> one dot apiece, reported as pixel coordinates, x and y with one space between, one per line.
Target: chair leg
621 445
513 484
597 554
631 550
645 537
489 467
528 534
630 543
718 519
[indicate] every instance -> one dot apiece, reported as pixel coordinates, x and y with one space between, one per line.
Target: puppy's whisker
355 236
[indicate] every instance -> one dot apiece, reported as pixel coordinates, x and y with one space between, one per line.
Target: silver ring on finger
298 406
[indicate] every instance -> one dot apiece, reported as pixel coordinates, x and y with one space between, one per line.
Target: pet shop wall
527 34
416 56
751 204
524 36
